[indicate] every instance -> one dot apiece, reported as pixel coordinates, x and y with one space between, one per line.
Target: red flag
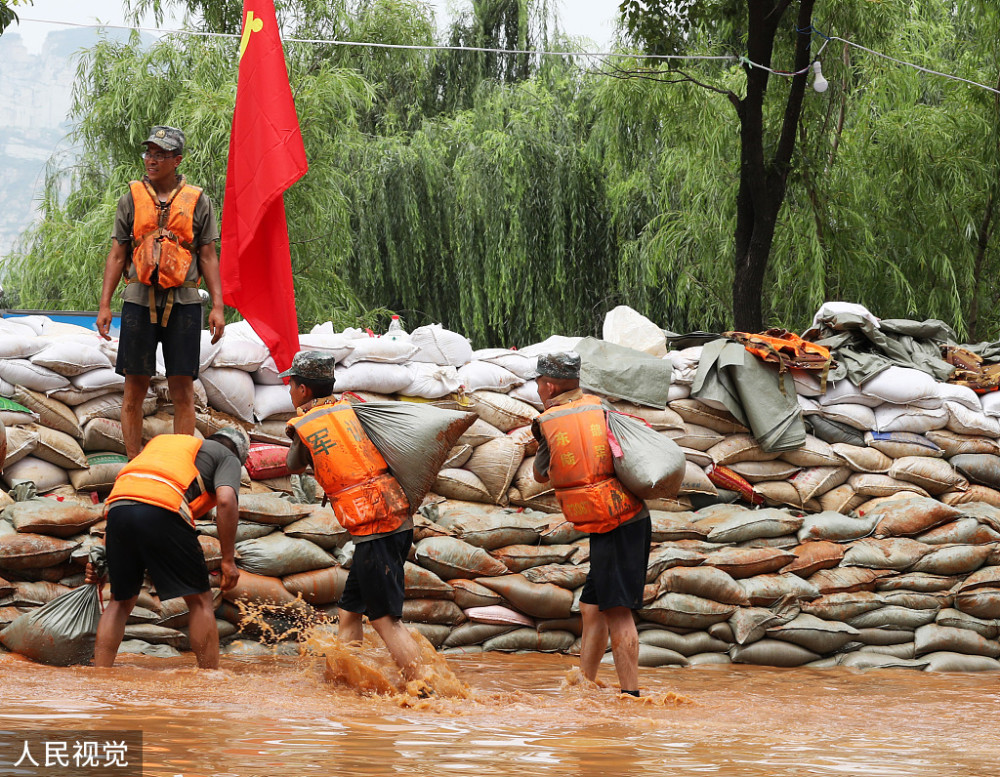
266 156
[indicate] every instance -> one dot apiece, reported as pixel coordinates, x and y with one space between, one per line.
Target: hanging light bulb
820 84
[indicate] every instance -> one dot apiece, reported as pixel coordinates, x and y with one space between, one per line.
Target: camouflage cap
561 366
167 138
238 438
311 365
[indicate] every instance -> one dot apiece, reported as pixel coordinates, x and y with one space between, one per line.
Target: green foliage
510 197
7 14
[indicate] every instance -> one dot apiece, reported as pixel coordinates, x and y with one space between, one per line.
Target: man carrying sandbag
574 453
151 512
367 500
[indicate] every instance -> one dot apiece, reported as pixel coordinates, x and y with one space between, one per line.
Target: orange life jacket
161 475
581 467
163 239
787 350
365 497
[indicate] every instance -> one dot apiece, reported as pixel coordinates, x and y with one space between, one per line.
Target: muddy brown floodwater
290 716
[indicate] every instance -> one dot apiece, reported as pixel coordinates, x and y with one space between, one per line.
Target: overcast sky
592 19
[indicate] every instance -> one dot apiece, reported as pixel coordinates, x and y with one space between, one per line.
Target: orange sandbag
259 588
813 556
321 586
539 600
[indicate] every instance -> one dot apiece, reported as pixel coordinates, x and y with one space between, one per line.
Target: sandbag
771 652
933 638
933 475
979 602
957 619
501 411
44 475
259 588
469 594
23 551
267 461
916 581
489 530
765 590
695 481
973 494
276 555
440 611
449 557
813 556
529 639
495 463
99 475
230 390
686 611
696 412
813 453
518 558
843 605
320 527
910 516
892 617
945 661
421 583
896 445
845 579
462 485
755 524
881 485
486 376
60 633
738 448
747 562
686 644
271 509
653 656
318 586
955 444
539 600
650 466
761 471
694 437
103 434
898 553
954 560
56 519
815 634
981 468
499 615
706 582
414 439
474 633
964 531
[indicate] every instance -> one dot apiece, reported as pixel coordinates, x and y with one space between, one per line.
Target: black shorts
618 561
181 339
141 537
375 585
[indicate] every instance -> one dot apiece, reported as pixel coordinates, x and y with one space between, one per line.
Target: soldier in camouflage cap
561 366
167 138
311 365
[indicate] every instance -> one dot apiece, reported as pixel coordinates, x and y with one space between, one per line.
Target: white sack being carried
414 439
651 465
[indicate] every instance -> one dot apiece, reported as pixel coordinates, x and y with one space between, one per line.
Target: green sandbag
62 632
651 466
414 439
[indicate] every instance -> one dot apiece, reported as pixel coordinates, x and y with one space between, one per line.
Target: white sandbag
239 353
438 345
103 434
230 390
933 475
105 378
109 406
965 421
502 411
899 444
271 401
51 412
845 392
22 372
384 350
527 392
678 391
553 344
431 381
952 392
903 386
486 376
44 475
909 418
627 327
338 345
991 404
813 482
650 465
515 361
69 357
496 463
860 417
378 377
18 345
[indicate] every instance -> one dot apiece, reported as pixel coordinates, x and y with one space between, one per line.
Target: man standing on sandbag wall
163 243
573 452
367 500
156 498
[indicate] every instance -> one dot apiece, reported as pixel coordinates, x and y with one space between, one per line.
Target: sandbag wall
876 544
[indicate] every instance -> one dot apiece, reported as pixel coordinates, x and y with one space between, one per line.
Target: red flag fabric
266 156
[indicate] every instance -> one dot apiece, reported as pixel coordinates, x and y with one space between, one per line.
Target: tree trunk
762 181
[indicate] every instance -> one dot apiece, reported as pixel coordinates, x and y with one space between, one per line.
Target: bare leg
136 387
350 626
624 646
203 632
182 396
400 644
110 631
594 641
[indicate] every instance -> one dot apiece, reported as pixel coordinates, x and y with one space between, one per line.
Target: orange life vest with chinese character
162 474
581 467
163 237
365 497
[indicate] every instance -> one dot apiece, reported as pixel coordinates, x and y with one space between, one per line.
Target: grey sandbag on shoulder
414 439
62 632
651 465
